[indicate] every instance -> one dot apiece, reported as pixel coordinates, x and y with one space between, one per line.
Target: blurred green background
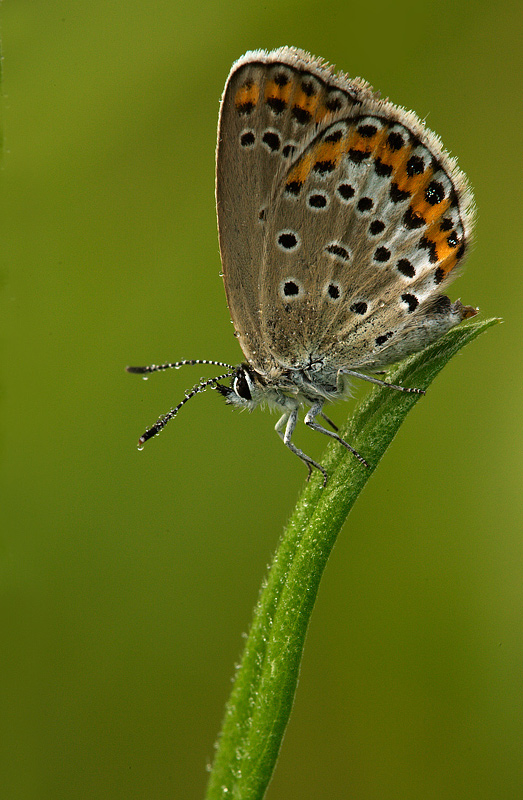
128 578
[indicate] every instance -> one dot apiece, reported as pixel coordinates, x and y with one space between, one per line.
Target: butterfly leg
310 421
376 381
288 422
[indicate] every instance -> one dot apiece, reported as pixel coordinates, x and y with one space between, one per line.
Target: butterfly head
246 389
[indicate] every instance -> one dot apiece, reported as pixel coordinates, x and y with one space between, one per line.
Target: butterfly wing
341 218
273 105
365 228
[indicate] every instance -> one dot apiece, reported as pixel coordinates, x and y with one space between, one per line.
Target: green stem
261 700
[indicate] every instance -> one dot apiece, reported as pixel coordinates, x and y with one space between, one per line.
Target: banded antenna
200 387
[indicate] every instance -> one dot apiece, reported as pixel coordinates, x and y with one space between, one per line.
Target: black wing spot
367 131
307 88
411 300
381 169
272 140
395 141
288 240
293 187
333 137
382 254
434 193
281 79
415 166
276 104
317 201
247 139
413 220
427 244
376 227
290 289
333 104
301 115
357 156
360 307
397 195
338 251
324 167
333 291
405 267
345 191
365 204
384 337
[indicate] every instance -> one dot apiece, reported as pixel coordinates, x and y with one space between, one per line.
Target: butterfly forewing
273 105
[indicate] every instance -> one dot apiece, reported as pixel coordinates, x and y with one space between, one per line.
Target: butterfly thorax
282 387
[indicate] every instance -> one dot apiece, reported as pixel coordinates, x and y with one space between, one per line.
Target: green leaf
261 700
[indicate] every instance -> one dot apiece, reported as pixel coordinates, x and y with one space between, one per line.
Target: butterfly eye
241 386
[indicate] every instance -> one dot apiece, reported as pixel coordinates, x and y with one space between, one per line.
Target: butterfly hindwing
366 225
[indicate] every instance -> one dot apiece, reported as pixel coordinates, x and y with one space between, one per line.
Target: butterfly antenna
200 387
175 365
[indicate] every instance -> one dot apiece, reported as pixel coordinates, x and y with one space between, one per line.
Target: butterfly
341 221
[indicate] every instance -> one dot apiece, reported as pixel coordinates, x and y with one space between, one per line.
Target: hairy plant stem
261 700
